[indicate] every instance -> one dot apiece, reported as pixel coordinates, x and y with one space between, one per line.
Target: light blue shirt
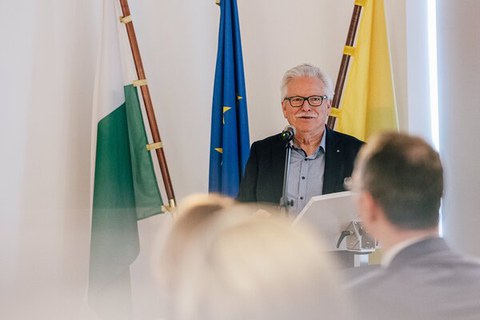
305 176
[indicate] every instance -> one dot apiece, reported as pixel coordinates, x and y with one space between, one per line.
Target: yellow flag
368 101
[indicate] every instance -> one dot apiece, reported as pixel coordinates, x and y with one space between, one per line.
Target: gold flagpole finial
217 2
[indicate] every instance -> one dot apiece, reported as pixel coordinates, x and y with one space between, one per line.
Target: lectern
334 217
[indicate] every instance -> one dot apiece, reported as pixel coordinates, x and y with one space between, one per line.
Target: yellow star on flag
225 109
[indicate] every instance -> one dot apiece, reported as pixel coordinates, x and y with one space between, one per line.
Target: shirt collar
323 142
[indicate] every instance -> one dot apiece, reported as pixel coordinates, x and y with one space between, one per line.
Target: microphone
288 133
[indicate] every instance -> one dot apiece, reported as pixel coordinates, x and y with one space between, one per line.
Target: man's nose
305 106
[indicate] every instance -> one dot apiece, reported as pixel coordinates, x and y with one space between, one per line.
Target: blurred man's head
401 176
226 261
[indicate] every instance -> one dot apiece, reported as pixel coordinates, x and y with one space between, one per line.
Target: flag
230 142
368 101
125 187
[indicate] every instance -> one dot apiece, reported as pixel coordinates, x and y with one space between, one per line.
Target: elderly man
399 179
321 159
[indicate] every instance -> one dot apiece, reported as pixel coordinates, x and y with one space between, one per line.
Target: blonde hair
236 264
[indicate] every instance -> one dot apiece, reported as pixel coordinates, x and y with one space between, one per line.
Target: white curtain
47 69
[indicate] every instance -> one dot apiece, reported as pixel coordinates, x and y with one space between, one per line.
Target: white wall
47 65
459 98
418 69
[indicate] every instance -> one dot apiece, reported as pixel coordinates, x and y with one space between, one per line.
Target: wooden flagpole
142 83
347 52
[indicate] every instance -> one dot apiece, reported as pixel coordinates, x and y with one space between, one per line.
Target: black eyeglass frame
307 99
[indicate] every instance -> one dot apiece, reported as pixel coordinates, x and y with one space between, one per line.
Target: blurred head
237 264
404 176
301 82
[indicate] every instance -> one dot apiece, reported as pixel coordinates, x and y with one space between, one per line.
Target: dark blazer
426 281
263 178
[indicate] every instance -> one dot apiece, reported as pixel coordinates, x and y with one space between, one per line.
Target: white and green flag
125 187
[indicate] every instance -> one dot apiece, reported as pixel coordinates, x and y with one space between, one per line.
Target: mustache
306 115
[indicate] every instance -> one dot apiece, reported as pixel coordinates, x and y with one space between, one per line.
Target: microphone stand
284 203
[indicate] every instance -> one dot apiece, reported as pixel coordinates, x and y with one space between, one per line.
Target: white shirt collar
323 141
393 251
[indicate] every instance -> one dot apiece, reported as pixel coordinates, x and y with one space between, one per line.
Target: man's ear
328 104
328 107
369 209
284 109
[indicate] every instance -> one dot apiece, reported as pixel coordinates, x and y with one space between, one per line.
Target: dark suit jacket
424 281
263 179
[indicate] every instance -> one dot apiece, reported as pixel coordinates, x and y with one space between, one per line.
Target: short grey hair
307 70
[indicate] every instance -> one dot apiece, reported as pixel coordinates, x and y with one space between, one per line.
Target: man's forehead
305 82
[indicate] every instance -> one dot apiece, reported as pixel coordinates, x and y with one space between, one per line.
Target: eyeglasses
314 101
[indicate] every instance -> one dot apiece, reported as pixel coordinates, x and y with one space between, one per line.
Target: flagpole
347 52
142 83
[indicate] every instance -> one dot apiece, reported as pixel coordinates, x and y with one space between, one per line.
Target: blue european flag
230 142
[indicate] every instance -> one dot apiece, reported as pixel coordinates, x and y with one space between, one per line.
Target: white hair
307 70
